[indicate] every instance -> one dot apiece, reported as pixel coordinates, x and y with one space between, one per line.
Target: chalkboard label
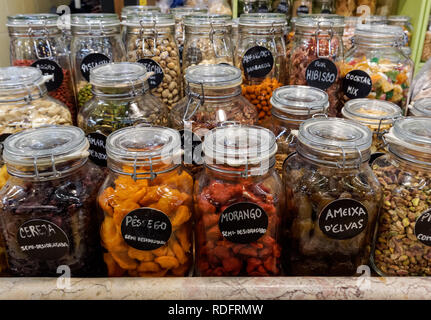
152 66
283 7
302 10
257 62
180 50
192 147
146 229
357 84
374 156
42 240
91 61
343 219
97 148
423 228
49 67
321 73
243 222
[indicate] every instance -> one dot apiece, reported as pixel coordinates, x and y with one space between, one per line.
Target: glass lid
340 137
32 20
180 12
382 31
45 147
399 19
149 18
142 145
94 19
411 132
320 20
132 9
21 80
421 107
299 100
214 75
119 74
207 19
239 145
371 111
262 19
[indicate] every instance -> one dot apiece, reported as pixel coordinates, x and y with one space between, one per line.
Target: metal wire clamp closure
194 95
343 150
318 32
211 35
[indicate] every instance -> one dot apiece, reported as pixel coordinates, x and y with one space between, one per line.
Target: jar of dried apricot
147 204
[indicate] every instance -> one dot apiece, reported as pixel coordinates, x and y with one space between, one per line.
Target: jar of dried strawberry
47 215
147 204
316 55
261 55
238 204
36 40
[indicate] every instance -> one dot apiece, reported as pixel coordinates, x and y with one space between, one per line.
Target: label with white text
97 148
243 222
91 61
357 84
343 219
49 67
42 240
257 62
152 66
146 229
423 228
321 73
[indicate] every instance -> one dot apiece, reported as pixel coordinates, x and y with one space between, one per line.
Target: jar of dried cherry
333 199
261 55
316 55
147 204
238 204
48 205
36 40
292 105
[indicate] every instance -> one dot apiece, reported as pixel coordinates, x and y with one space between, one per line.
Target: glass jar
333 199
282 6
238 204
48 212
405 23
121 99
317 55
96 40
146 202
292 105
301 7
402 242
36 40
247 6
261 55
376 68
179 14
130 10
421 108
323 6
377 115
151 42
208 40
213 96
349 31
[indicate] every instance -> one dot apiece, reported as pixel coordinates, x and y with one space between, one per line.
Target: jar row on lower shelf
145 215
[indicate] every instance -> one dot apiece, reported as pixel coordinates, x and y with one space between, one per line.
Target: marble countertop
285 288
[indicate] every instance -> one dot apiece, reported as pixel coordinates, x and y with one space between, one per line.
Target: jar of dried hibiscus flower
147 204
333 199
238 204
316 55
402 245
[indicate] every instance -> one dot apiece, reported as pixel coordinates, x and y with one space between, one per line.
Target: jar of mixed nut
213 96
96 40
146 201
179 14
376 68
47 215
292 105
36 40
121 99
333 199
151 42
208 40
238 204
405 23
421 108
261 55
375 114
317 55
403 241
130 10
